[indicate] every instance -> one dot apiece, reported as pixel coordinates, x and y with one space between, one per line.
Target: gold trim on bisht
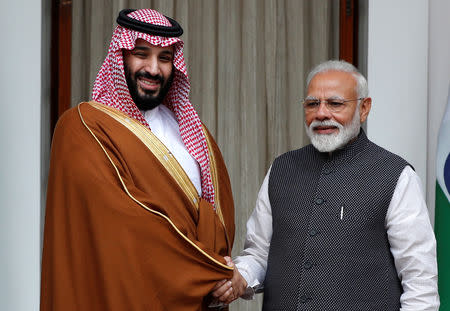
214 176
119 116
157 148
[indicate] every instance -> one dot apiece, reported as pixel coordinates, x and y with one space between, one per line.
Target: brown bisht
124 226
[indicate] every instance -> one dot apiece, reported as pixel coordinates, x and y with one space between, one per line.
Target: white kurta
409 231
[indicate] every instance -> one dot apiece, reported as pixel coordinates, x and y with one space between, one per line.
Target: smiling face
328 130
149 72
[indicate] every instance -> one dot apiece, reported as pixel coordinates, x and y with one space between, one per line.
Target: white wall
438 82
20 157
409 80
398 78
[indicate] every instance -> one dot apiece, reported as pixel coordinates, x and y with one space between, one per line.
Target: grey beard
332 142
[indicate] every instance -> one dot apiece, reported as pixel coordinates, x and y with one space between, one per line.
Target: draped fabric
118 224
247 62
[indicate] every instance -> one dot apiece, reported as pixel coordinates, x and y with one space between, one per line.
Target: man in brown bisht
139 209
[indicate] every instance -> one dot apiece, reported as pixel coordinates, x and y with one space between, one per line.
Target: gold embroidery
215 178
140 203
157 148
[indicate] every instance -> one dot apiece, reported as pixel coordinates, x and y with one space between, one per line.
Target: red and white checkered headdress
110 88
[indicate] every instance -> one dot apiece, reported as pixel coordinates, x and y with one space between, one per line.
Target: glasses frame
327 104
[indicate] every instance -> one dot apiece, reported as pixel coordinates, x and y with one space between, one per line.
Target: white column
20 156
398 78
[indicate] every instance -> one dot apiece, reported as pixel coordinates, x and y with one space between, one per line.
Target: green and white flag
442 211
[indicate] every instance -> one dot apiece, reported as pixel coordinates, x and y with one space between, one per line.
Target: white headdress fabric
110 88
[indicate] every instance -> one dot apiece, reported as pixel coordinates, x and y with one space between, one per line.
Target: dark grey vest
329 248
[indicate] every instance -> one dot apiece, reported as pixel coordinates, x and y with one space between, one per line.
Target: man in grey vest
340 224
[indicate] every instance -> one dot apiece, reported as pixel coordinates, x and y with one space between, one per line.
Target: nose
322 112
152 66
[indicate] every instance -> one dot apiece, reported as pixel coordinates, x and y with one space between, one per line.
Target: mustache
316 123
144 74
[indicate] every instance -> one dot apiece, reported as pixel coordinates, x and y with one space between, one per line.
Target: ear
364 108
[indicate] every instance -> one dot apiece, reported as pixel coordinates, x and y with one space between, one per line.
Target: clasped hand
226 291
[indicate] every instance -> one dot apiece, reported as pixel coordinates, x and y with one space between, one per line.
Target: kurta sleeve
413 244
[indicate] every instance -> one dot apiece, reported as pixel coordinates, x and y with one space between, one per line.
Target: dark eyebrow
141 48
170 52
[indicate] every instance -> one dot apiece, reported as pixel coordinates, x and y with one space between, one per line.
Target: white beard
331 142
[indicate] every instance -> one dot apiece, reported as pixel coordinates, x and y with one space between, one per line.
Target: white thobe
164 125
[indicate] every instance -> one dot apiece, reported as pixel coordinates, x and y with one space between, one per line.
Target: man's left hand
227 291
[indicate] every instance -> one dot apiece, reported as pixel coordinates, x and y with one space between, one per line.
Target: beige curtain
247 61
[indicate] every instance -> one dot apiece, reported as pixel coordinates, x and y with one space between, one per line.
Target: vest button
327 171
319 201
303 298
313 232
307 265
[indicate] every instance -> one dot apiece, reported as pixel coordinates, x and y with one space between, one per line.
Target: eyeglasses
332 104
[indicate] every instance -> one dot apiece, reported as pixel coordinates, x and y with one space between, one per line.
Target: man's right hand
227 291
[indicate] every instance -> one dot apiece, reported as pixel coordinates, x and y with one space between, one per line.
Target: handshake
226 291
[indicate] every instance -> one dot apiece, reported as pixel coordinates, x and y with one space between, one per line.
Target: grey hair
362 88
